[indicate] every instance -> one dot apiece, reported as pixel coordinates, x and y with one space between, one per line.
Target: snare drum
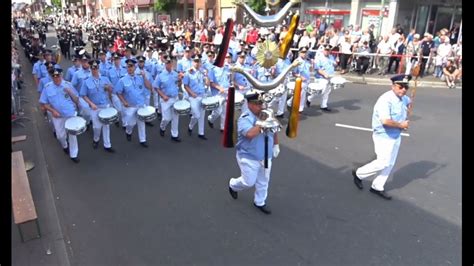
317 87
278 91
146 114
108 116
182 107
238 100
338 82
75 125
210 103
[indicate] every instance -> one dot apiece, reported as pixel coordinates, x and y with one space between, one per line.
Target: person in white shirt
384 50
304 40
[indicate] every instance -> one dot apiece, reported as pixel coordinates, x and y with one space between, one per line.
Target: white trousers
220 111
130 117
61 136
156 100
119 106
98 127
386 150
304 85
168 114
324 96
85 110
198 114
253 173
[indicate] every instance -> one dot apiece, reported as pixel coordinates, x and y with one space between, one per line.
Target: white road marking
364 128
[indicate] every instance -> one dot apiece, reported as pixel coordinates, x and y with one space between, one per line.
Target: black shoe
75 159
176 139
66 150
117 124
162 132
233 193
222 131
95 144
263 209
124 128
111 150
326 109
190 131
211 125
129 136
203 137
280 116
357 180
308 103
382 194
54 134
144 144
150 124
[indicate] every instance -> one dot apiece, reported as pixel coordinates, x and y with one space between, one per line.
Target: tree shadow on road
412 171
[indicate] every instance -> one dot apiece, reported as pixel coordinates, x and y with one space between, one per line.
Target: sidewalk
50 249
373 79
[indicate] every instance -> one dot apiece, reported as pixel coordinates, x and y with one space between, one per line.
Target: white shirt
384 47
218 38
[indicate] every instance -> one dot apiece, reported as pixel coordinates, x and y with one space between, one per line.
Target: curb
380 81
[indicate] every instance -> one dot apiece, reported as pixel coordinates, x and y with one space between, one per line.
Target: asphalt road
169 204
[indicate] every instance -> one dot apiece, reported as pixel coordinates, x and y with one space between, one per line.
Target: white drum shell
75 125
108 116
146 114
182 107
210 103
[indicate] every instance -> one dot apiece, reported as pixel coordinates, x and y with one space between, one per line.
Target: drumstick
229 27
288 41
230 128
291 129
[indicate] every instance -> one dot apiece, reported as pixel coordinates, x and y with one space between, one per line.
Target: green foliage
258 6
163 5
56 3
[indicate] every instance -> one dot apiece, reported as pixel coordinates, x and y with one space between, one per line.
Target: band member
185 63
220 82
240 81
48 78
96 91
130 90
195 82
324 67
141 67
251 154
115 73
73 69
167 85
279 67
104 64
76 82
59 98
388 120
303 71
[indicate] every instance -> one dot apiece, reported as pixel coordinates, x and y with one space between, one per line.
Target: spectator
412 53
363 59
384 50
398 49
346 53
451 74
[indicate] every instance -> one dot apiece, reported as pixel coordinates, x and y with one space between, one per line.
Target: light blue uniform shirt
324 63
240 79
70 73
108 55
167 82
133 89
208 66
104 68
36 68
195 80
42 71
204 58
303 69
58 98
184 64
79 77
389 106
122 61
159 67
94 88
148 76
115 74
281 65
43 82
249 60
221 76
260 74
253 149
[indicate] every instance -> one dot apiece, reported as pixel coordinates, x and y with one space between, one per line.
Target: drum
210 103
278 91
238 100
182 107
291 88
317 87
108 116
337 82
75 125
146 114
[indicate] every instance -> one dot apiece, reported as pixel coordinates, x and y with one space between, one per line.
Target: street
169 204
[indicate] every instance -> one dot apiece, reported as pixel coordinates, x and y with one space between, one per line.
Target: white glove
276 150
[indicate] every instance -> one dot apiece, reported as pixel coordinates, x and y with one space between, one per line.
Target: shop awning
328 12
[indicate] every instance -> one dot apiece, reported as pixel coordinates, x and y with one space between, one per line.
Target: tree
163 5
258 6
56 3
